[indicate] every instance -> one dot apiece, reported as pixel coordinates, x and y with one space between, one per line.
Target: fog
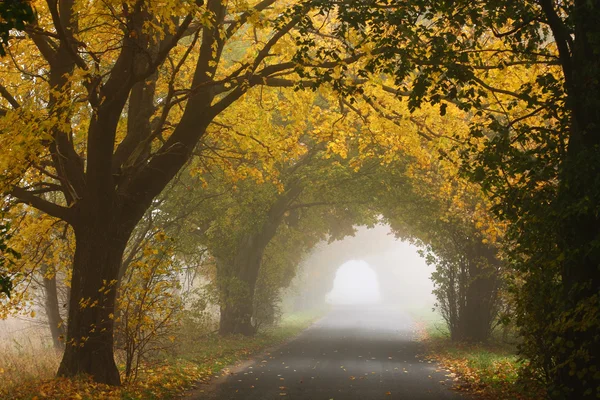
355 283
371 267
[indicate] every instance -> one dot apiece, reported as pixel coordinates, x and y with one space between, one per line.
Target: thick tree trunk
89 344
55 321
237 276
578 241
237 305
237 319
577 206
480 302
481 295
578 199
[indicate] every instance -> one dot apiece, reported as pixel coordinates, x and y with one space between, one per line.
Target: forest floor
489 370
27 369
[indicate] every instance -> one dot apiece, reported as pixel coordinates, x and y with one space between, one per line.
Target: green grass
492 370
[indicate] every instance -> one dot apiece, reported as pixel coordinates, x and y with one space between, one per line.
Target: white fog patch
355 283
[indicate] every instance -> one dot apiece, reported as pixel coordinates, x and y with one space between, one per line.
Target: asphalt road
353 353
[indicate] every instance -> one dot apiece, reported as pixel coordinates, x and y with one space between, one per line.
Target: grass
491 370
27 370
26 354
217 352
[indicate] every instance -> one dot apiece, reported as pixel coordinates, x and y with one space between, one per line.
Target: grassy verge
490 370
196 360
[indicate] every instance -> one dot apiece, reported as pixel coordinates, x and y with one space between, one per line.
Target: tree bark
577 202
237 305
237 319
89 345
55 321
481 292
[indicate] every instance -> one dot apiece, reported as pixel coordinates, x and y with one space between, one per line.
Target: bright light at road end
355 283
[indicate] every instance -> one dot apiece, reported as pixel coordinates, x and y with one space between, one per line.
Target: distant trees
449 221
467 283
245 230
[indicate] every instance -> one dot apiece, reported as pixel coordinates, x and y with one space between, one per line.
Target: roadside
197 360
487 370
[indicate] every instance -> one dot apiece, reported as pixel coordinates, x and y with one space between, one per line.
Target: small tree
149 306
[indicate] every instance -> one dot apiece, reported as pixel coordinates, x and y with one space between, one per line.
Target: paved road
353 353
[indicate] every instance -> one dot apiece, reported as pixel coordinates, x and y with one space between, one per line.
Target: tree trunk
89 344
237 303
237 319
237 277
55 321
481 295
578 241
577 207
479 311
579 234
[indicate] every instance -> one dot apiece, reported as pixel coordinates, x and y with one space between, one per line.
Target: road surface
365 353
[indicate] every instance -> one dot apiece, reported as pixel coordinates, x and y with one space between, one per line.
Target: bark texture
89 344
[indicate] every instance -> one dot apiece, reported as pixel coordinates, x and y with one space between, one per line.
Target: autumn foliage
158 155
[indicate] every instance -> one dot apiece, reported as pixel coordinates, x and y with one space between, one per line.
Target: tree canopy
250 131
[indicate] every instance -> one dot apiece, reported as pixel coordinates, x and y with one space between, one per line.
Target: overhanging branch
52 209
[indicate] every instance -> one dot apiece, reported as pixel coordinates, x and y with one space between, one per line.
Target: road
365 353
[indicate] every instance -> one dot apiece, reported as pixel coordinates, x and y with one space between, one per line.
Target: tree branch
52 209
233 28
9 97
323 203
65 35
562 38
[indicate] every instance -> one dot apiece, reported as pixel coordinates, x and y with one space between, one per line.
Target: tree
448 220
541 156
39 277
243 226
420 192
111 105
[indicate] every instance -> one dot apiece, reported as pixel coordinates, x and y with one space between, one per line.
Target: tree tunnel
374 267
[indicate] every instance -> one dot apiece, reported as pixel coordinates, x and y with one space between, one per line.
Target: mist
370 268
355 283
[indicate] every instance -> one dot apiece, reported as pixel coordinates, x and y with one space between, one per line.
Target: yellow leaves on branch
46 246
